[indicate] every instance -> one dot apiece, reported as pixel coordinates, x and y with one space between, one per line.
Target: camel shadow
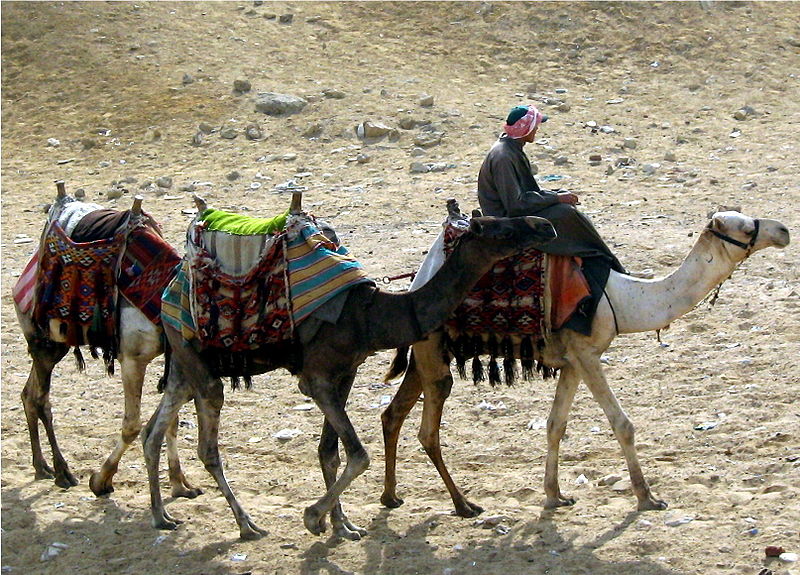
534 547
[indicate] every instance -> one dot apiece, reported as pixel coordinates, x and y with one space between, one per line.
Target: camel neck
646 305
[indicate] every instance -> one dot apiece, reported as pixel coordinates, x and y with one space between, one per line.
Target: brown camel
630 305
140 342
370 320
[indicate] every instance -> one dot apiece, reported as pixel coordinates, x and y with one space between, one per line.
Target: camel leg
329 462
176 393
36 402
208 401
133 369
592 373
331 402
392 421
556 426
435 395
180 486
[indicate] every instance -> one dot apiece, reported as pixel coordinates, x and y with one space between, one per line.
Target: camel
140 342
370 320
630 305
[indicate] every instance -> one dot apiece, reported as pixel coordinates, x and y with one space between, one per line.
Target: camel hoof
653 505
313 521
43 473
251 532
66 480
559 501
98 487
468 510
348 533
391 501
165 522
186 492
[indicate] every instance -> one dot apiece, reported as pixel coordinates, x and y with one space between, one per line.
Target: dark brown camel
370 320
630 305
140 342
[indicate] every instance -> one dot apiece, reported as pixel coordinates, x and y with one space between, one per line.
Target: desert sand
690 106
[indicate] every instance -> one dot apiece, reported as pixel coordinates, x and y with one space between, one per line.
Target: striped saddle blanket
238 292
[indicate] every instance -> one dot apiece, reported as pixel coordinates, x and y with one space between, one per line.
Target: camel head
743 235
509 235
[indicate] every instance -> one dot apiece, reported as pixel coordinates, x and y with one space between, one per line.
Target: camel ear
476 227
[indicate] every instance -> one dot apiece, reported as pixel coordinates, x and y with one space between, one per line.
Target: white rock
287 433
788 557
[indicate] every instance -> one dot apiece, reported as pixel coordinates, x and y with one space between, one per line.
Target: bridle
748 247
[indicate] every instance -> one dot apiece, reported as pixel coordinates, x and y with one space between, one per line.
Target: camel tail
399 364
162 382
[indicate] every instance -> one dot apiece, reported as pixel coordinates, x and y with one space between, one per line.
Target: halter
745 246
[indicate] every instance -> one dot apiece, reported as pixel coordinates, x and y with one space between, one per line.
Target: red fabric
77 286
238 313
568 287
507 301
24 289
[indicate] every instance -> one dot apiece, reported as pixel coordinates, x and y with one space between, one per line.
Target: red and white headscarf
525 124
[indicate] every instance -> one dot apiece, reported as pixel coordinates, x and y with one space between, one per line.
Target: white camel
630 305
140 342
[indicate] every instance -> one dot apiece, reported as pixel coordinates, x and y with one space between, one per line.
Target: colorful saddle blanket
514 306
72 286
241 306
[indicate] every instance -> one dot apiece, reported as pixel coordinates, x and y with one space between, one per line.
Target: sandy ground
123 87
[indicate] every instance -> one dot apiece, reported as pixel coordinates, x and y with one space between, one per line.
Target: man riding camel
507 188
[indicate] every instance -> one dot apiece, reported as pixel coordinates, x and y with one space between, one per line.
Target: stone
370 130
286 18
253 132
629 143
274 104
241 86
333 94
426 100
229 133
420 168
427 139
164 182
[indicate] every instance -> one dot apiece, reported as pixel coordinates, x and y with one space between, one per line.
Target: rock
164 182
609 169
629 143
561 161
420 168
205 127
669 157
426 100
678 521
313 130
650 169
370 130
197 139
740 115
428 139
286 434
773 551
229 133
286 18
241 86
274 104
80 194
788 557
595 159
362 158
253 132
53 550
233 176
333 94
563 107
114 193
609 479
53 142
408 123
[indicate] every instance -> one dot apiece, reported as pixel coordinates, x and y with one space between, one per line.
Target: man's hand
568 198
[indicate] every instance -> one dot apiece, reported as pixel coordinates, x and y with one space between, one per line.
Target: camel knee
130 432
359 461
624 430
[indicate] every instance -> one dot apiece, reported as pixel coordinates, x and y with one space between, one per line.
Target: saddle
512 310
245 285
71 284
